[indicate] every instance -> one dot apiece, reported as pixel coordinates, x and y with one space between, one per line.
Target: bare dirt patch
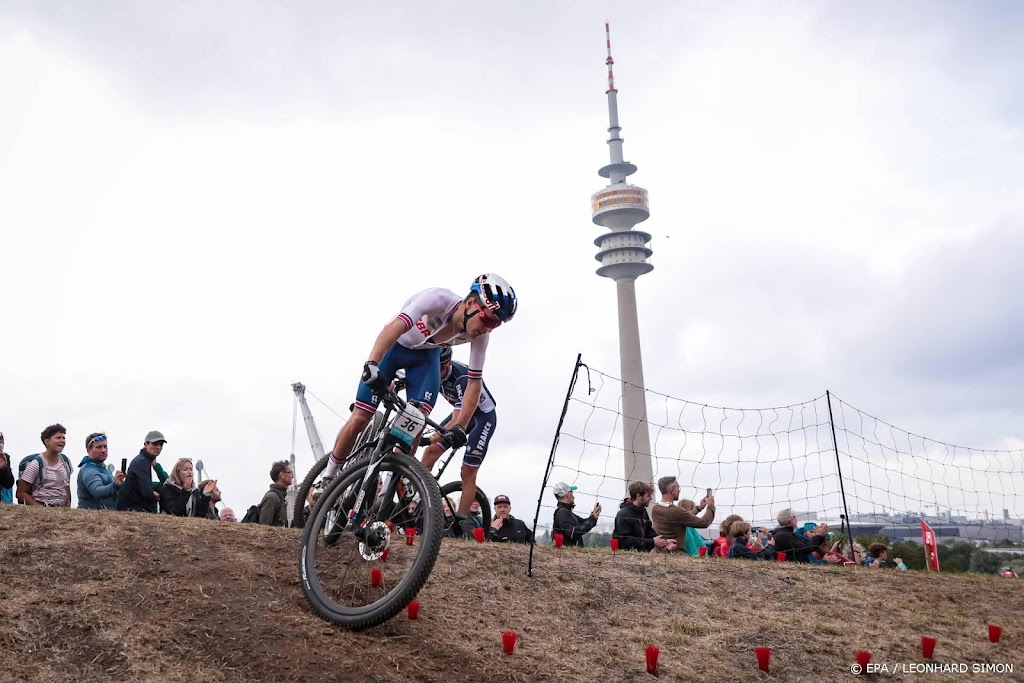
93 596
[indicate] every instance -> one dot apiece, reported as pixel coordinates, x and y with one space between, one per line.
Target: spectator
97 487
179 495
798 548
694 540
672 521
214 498
137 494
46 479
633 528
504 527
878 556
721 545
6 475
740 544
273 507
228 515
452 528
571 526
475 514
834 554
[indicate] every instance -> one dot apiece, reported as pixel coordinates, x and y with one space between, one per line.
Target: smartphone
124 464
709 493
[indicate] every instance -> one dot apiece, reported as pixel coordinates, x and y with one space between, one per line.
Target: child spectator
740 549
720 546
878 556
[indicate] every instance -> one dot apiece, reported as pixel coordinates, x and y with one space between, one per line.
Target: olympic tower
623 255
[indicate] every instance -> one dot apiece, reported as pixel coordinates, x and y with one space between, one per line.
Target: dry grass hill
89 596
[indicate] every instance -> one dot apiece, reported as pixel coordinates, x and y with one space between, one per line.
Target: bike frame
393 404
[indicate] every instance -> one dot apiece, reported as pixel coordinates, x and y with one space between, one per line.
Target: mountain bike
366 550
364 445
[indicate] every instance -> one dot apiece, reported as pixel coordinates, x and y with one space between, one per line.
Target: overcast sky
203 202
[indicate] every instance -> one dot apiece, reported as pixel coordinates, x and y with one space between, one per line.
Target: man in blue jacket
97 487
137 493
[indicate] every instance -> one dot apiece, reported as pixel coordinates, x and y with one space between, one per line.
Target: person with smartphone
671 521
570 525
97 487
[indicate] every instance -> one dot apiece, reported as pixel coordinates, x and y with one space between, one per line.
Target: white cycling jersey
426 313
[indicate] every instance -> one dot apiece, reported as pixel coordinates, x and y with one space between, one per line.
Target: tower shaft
623 255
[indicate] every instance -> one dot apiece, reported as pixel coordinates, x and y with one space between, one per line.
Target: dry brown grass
91 596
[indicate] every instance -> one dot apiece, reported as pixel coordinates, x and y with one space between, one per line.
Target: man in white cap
571 526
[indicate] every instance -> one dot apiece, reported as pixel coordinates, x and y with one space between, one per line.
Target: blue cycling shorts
481 429
422 376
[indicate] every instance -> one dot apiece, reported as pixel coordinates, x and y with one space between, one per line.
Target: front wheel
450 496
361 574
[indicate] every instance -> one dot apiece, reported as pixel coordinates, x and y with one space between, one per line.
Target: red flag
931 548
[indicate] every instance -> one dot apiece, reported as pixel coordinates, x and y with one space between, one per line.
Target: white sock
332 467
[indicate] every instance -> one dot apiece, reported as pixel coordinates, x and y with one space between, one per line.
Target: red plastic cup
478 534
559 540
863 658
651 652
508 641
994 633
413 609
781 557
614 543
928 646
384 555
410 534
702 551
764 656
376 577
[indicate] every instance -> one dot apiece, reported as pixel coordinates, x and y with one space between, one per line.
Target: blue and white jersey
428 313
453 388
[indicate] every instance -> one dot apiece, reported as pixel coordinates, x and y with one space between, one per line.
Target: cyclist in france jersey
455 381
413 340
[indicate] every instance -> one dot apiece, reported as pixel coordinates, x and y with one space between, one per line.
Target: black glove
456 437
373 378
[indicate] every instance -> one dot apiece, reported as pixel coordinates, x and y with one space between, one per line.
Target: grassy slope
104 596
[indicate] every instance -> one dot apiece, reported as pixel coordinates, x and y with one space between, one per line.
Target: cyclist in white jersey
413 340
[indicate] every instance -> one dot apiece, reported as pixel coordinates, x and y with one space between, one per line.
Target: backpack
252 515
42 468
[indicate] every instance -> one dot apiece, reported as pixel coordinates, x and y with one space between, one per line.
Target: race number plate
408 425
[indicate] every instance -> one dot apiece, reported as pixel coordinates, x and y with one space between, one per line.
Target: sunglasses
488 320
97 439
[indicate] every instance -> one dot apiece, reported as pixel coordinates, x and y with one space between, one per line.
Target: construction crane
315 442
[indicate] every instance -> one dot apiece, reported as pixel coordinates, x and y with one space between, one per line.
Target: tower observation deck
623 255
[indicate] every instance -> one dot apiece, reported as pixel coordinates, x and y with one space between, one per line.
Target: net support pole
551 458
843 526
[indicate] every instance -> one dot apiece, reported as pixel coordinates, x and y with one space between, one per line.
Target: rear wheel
361 575
364 444
451 494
